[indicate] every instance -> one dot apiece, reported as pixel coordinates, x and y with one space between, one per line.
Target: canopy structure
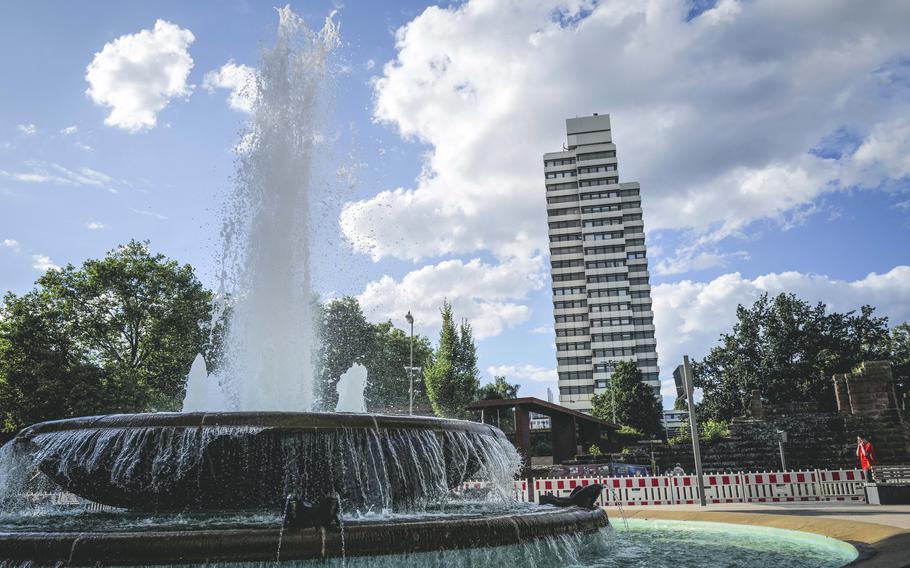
568 428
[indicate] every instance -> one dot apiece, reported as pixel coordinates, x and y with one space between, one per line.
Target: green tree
388 384
709 432
115 335
635 403
345 338
499 389
452 378
788 350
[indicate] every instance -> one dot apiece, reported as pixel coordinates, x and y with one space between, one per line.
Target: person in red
866 454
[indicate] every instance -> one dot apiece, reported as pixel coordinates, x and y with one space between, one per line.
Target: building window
573 360
576 346
566 250
567 263
601 208
562 199
605 250
570 304
561 174
596 156
568 291
594 264
564 224
608 293
609 307
571 332
571 318
577 389
559 162
603 236
561 212
603 222
599 195
565 238
568 277
597 169
602 278
598 181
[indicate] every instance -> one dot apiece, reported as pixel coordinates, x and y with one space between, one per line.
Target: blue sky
771 143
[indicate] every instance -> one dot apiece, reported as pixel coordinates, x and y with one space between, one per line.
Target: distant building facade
601 290
674 421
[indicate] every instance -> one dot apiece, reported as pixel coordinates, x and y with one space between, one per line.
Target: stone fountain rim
260 544
262 421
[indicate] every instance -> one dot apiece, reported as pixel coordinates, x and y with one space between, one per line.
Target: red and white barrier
733 487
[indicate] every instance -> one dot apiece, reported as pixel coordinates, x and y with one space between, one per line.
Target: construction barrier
732 487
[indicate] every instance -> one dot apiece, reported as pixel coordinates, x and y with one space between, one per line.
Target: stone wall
866 404
867 390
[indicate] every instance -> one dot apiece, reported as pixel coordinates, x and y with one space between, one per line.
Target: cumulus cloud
43 263
27 129
69 130
690 316
137 75
523 373
240 80
94 226
11 244
489 295
717 117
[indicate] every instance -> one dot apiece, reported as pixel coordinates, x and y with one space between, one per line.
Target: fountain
211 484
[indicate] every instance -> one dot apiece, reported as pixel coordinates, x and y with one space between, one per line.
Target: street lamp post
410 319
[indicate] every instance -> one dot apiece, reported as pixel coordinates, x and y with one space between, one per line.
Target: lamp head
409 317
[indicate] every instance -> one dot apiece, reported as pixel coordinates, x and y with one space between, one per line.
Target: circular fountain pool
457 535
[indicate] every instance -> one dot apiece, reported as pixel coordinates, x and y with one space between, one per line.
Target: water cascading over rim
232 461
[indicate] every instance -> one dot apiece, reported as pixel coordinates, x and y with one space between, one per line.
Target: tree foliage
499 389
115 335
345 338
788 350
452 377
636 405
388 382
710 431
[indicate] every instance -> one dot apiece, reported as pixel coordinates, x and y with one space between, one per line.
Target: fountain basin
358 538
253 460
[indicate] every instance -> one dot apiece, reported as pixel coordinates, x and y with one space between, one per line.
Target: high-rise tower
601 294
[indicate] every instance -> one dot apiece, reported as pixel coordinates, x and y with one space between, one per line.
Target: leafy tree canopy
452 377
635 403
787 349
115 335
499 389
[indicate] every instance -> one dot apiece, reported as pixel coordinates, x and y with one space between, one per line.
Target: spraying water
266 261
350 390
